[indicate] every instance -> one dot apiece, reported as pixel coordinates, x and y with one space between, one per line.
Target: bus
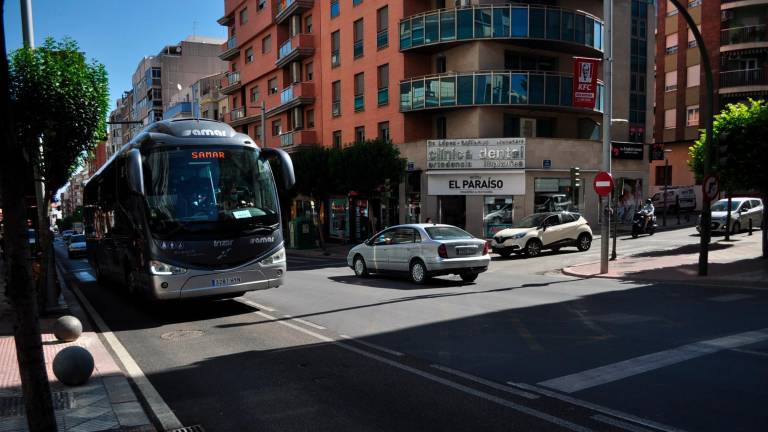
188 208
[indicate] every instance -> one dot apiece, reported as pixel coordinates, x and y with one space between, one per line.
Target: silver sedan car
422 251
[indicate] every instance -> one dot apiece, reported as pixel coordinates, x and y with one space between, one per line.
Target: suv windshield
209 190
447 233
722 205
531 221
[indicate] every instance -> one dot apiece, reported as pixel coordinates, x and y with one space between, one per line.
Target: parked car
66 234
742 210
422 251
552 230
76 246
501 215
551 202
679 198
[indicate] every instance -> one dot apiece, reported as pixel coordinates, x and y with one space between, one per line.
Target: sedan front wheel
361 270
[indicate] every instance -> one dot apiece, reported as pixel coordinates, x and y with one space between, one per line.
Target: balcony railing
297 138
490 88
359 102
744 77
237 114
296 48
231 42
382 96
382 39
286 95
501 22
285 49
232 51
286 8
738 35
232 78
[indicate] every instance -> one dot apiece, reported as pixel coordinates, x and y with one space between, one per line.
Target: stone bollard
73 365
67 328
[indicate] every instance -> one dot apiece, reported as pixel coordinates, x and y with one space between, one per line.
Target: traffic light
575 185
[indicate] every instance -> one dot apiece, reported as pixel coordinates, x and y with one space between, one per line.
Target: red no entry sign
603 183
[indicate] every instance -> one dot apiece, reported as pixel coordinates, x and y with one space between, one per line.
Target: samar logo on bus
204 132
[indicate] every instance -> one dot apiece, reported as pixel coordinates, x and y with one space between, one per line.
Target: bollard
750 226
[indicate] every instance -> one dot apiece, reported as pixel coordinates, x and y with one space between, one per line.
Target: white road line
618 423
486 382
161 411
85 276
750 352
305 322
730 297
468 390
257 306
598 408
627 368
374 346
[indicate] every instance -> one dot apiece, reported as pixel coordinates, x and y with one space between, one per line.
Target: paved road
523 348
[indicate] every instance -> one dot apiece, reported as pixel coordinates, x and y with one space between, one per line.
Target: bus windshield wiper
262 227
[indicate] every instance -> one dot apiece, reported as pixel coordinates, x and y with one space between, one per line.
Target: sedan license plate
225 281
466 251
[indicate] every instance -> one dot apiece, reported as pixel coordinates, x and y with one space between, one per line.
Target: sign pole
607 66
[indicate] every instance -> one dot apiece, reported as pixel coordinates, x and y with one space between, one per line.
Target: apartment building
735 36
120 130
490 80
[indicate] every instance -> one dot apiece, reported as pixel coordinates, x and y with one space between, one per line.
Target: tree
742 162
15 167
366 166
63 102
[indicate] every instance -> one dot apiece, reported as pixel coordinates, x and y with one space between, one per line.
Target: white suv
539 231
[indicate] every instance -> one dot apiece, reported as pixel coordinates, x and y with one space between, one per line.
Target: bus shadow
397 282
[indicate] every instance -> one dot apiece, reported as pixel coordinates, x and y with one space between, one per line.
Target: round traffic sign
710 187
603 183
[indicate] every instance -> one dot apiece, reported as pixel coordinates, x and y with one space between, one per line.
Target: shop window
498 214
554 194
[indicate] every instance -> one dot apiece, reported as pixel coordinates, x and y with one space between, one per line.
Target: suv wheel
533 248
584 242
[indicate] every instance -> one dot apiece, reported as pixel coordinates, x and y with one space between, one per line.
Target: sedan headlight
160 268
276 258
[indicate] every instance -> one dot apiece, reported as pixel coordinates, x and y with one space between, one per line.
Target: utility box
303 233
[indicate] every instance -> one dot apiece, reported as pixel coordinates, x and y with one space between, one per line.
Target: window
692 115
336 98
358 38
266 44
693 76
337 139
243 16
670 81
309 68
382 78
691 39
308 24
276 129
335 43
694 3
335 10
356 2
310 119
272 85
382 27
261 4
662 174
254 94
384 131
360 134
359 91
249 55
441 128
669 118
671 43
671 9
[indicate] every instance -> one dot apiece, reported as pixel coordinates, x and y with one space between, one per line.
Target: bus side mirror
289 176
134 172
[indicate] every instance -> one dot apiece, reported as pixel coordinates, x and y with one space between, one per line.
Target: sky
117 33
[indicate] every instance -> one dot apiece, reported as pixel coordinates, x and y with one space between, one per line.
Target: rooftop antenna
194 30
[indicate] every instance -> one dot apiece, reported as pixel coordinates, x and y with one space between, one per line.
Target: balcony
293 96
178 110
236 114
294 139
298 47
743 35
230 83
286 8
227 20
501 88
745 80
544 27
231 50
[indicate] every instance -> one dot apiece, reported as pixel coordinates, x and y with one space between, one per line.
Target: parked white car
422 251
540 231
742 210
679 198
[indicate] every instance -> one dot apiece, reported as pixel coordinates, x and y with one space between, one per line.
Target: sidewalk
736 263
105 402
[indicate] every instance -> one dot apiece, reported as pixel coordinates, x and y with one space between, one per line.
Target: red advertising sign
584 82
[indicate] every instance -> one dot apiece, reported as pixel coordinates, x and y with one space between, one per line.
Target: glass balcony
285 49
231 50
490 88
286 95
236 114
231 83
508 21
296 48
747 34
231 42
383 96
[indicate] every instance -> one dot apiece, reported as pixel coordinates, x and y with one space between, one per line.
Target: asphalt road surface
523 348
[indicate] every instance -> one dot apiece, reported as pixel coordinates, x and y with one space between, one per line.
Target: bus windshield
215 190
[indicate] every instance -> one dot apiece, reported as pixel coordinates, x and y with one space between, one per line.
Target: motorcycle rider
648 211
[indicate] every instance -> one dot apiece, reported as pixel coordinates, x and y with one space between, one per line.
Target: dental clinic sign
476 153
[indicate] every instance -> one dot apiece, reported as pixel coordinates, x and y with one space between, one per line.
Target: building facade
736 40
477 95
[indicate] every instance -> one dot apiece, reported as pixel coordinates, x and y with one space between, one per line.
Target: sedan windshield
447 233
530 221
722 205
209 190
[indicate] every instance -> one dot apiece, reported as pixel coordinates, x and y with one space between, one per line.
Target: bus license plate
225 281
466 251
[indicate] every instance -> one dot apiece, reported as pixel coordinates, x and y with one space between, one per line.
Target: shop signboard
476 183
627 150
476 153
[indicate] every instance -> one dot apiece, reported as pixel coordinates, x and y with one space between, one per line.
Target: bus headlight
276 258
160 268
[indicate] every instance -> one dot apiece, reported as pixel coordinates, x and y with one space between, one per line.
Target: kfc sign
584 82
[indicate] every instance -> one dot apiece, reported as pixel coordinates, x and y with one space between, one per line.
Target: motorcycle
639 227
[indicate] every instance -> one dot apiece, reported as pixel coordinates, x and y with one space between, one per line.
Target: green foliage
60 97
744 128
312 174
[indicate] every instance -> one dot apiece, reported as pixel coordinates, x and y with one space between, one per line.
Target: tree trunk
19 288
47 292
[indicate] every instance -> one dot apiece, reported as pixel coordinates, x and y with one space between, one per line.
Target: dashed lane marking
305 322
257 306
374 346
485 382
